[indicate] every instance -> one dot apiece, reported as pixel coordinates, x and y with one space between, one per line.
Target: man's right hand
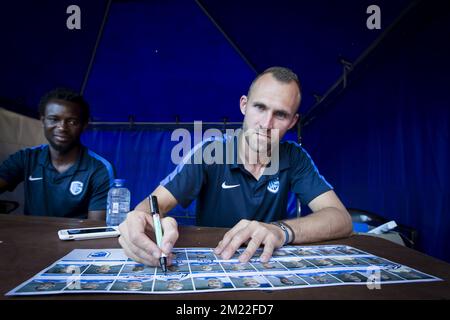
136 243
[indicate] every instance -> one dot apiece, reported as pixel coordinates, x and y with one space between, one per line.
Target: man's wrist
291 231
282 226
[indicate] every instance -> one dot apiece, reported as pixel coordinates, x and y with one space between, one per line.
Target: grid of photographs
200 270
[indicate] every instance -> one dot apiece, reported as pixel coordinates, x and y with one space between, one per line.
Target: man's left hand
255 233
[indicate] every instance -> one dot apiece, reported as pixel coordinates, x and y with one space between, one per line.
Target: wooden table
30 244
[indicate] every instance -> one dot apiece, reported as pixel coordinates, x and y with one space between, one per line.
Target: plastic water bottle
118 203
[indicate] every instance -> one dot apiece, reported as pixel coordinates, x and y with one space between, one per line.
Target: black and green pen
154 209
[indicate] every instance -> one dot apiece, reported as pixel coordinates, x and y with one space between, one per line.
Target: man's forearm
166 201
326 224
143 206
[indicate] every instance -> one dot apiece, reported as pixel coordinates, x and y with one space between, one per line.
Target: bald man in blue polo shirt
62 178
247 195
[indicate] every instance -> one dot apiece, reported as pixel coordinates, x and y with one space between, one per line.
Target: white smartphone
88 233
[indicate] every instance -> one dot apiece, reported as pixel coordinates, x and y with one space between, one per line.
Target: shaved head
281 74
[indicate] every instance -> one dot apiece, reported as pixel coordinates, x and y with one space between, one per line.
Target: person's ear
243 104
42 120
294 120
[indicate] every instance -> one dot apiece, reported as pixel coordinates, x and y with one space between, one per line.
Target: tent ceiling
160 59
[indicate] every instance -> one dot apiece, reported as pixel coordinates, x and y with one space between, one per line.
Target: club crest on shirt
76 187
274 185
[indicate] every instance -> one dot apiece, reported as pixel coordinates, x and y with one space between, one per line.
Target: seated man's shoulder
31 152
96 161
35 149
215 141
292 148
212 143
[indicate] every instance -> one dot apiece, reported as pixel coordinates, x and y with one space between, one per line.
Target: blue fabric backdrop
384 141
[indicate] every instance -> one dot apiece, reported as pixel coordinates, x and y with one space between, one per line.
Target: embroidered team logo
76 187
274 185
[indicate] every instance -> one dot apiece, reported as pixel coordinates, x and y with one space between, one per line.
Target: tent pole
235 47
94 51
343 79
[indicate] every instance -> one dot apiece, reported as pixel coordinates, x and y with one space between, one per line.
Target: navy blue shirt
83 187
227 193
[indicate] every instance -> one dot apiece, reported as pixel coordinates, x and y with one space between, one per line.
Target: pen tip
163 264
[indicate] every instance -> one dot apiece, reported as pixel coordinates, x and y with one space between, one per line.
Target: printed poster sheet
200 270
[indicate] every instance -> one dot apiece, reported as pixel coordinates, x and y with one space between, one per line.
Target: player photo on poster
173 284
42 285
250 281
89 285
284 280
133 284
66 269
201 267
294 264
137 270
175 268
231 267
207 283
104 269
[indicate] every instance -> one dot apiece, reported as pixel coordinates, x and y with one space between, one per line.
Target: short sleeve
186 181
13 168
101 181
306 181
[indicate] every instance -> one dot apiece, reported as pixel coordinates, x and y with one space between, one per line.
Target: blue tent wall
162 59
149 48
308 36
384 141
38 51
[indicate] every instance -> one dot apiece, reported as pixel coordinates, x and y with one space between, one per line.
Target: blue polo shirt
227 193
83 187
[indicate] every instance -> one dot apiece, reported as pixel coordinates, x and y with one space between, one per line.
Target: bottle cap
119 182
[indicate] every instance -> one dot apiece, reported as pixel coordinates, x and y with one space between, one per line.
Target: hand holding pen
154 209
135 234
